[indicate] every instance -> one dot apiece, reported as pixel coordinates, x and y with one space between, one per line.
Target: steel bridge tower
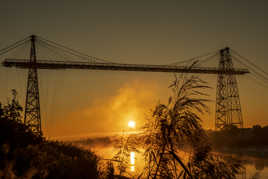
32 116
228 108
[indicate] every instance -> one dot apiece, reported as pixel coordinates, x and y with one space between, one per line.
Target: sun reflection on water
132 161
132 168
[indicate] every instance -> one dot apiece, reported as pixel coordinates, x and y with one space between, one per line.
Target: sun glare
131 124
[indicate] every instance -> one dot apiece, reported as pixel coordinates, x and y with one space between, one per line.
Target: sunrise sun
131 124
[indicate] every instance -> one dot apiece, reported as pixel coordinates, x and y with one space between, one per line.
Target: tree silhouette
176 127
24 154
12 110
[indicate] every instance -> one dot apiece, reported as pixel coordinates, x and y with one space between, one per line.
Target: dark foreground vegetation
170 129
24 154
242 141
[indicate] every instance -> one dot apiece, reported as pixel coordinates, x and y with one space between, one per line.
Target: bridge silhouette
228 107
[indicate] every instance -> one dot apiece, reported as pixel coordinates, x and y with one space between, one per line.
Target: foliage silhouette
176 127
24 154
125 145
175 144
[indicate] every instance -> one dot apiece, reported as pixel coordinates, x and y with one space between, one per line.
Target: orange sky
151 32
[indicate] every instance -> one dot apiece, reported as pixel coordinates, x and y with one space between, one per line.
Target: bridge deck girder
57 65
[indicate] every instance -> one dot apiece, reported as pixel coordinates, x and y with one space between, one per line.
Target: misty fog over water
256 168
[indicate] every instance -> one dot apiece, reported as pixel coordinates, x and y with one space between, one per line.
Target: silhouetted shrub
28 155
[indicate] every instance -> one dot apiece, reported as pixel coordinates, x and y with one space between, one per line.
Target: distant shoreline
261 153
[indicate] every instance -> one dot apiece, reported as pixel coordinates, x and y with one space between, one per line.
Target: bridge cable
252 69
251 63
257 80
188 61
60 49
13 46
207 59
73 52
53 50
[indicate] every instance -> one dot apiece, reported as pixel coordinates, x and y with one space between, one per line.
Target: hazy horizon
75 102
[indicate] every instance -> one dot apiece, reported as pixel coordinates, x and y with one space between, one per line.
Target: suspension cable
251 63
61 49
53 50
13 46
73 52
257 80
194 58
207 59
252 69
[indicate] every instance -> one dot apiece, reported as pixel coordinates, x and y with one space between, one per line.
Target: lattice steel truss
228 108
32 116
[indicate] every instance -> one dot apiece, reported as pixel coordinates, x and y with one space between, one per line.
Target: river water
255 168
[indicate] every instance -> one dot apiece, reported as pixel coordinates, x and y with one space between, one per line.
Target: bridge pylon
32 115
228 108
